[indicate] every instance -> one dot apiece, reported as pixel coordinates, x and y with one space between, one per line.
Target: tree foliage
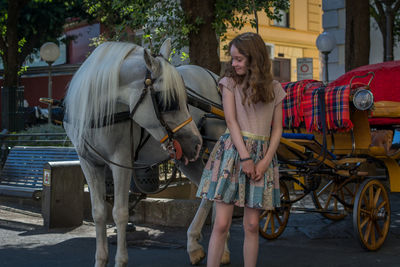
154 20
233 14
182 20
27 24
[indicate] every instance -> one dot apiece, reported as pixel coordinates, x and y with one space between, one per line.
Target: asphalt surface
308 240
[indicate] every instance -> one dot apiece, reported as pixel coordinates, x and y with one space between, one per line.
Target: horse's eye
172 105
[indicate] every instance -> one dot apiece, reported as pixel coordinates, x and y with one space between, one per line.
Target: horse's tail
92 93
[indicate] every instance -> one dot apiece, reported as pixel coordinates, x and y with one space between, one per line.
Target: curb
166 212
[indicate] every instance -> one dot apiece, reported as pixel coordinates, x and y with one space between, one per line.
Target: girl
242 169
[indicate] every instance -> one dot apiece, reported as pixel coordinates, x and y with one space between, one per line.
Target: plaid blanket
337 109
292 114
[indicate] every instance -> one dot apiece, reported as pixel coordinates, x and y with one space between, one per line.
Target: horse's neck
201 81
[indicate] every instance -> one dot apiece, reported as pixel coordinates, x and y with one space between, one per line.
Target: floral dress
223 178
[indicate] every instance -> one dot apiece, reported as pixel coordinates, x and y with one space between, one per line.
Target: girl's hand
248 168
260 168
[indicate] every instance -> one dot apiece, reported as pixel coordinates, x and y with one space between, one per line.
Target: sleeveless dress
223 178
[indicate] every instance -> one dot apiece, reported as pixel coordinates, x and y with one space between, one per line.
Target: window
284 21
281 69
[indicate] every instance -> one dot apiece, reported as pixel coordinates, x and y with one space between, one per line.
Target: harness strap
142 142
158 113
117 118
142 96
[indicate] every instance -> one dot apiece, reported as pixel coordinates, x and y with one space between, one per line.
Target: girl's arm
276 133
228 99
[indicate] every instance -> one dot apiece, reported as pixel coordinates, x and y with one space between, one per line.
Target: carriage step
318 210
348 173
350 161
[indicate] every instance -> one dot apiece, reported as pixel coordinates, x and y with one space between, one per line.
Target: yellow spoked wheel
273 222
335 198
371 214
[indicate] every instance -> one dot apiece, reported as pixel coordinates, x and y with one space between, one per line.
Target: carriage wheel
335 198
273 222
371 214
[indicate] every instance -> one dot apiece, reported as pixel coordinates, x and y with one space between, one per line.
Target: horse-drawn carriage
340 148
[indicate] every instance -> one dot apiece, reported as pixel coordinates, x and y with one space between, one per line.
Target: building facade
290 40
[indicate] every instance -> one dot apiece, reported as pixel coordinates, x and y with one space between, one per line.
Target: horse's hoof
226 258
196 256
101 263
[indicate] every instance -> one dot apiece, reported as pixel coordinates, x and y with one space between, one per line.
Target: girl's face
239 61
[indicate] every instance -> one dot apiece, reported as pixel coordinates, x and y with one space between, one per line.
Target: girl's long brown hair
258 80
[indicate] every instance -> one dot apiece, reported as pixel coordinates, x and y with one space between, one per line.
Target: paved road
309 240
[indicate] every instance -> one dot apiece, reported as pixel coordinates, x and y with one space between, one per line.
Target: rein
133 168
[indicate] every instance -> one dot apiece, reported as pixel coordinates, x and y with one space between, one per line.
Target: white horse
201 84
117 90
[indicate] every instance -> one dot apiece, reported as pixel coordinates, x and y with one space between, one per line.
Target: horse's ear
152 64
165 49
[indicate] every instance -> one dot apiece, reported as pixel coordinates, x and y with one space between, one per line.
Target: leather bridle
172 146
148 82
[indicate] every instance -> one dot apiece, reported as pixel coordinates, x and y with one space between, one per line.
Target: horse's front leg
194 249
122 178
96 182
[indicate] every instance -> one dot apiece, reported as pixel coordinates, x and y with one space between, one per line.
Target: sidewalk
308 240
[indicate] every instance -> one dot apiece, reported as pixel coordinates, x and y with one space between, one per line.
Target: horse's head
159 103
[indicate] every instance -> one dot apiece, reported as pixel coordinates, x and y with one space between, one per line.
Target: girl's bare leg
222 223
250 246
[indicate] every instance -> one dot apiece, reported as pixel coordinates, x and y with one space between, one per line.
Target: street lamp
326 42
49 52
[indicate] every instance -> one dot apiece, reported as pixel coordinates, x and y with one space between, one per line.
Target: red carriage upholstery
385 86
300 107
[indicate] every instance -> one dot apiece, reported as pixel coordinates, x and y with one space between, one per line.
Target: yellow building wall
296 41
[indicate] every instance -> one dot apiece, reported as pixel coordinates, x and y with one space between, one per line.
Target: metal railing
16 138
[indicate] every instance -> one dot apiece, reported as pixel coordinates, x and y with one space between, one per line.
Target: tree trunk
11 53
203 44
389 38
384 13
357 34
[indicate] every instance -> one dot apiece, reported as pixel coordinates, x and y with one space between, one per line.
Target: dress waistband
251 135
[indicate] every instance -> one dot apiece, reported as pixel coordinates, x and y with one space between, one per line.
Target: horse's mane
93 91
171 83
